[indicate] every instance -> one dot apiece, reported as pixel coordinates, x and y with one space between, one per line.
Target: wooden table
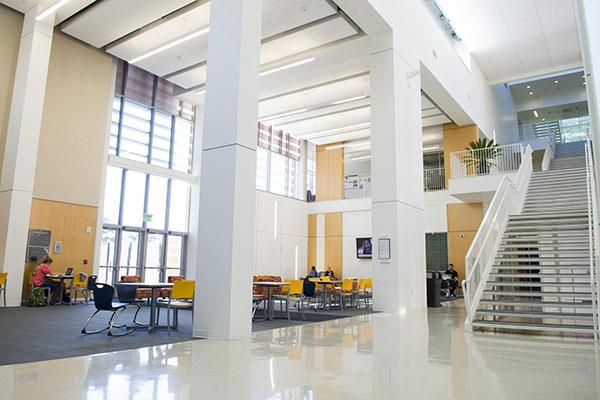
153 300
62 278
324 290
270 303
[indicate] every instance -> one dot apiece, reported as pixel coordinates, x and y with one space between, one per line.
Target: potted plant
482 155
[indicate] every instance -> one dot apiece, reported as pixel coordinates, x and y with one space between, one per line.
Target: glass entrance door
153 262
129 253
108 251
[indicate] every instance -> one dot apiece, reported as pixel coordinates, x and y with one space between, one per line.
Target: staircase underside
540 280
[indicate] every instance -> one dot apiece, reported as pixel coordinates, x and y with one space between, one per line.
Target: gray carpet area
45 333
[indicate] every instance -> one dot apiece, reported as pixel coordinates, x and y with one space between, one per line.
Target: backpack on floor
37 298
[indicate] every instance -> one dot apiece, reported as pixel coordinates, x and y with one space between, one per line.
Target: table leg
61 290
324 295
153 311
271 304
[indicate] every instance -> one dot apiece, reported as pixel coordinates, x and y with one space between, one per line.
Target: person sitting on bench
453 279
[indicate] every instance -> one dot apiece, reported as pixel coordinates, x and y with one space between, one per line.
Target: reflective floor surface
414 356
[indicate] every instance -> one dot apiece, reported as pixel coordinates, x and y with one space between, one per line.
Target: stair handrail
594 237
507 200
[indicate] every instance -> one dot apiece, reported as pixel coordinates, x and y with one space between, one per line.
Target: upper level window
279 162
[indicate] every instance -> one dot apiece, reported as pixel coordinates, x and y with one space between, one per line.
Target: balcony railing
434 179
478 162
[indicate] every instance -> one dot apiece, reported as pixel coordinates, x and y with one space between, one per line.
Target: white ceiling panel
163 32
517 38
63 13
343 137
328 93
282 15
190 78
327 122
306 39
110 20
437 120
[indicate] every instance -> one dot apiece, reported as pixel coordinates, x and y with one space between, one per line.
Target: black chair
126 294
103 296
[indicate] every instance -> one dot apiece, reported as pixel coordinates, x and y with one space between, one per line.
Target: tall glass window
146 210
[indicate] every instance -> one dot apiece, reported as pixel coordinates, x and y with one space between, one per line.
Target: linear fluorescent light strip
201 91
360 158
287 66
51 9
347 145
337 130
349 100
430 148
536 113
171 44
286 114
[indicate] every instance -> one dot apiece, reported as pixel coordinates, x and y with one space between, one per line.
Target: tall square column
397 178
20 152
226 222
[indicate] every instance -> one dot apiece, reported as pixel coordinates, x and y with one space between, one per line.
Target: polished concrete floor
414 356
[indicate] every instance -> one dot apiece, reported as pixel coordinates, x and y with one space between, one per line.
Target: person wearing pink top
40 277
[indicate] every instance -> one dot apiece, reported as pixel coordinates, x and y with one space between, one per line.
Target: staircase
540 280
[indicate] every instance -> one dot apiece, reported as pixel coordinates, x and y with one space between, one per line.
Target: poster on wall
384 253
38 244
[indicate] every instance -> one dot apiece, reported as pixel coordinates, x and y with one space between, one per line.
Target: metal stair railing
507 201
594 237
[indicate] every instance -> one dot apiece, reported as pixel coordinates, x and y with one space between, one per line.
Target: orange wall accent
456 139
463 223
330 173
312 241
333 243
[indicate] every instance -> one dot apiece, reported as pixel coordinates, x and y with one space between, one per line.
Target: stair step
542 249
533 327
497 268
545 229
523 293
538 284
566 215
524 275
549 241
541 315
557 221
529 303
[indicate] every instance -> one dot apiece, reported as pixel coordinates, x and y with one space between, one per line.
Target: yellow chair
182 297
3 280
347 290
79 285
294 294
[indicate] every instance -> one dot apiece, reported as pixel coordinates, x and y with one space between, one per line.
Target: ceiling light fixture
360 158
201 91
555 81
286 114
528 86
349 100
536 114
51 9
337 130
531 93
431 148
287 66
171 44
348 145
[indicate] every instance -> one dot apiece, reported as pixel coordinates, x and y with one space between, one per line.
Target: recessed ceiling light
51 9
531 93
349 100
535 113
543 119
528 86
171 44
555 81
287 66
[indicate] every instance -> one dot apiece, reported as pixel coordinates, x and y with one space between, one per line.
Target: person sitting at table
40 278
313 272
330 274
452 279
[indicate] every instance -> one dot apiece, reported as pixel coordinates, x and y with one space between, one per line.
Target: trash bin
434 288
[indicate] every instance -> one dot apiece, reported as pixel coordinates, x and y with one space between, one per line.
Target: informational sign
384 249
57 246
38 244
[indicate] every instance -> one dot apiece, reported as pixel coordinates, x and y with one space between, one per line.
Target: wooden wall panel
69 224
334 243
456 139
463 223
330 173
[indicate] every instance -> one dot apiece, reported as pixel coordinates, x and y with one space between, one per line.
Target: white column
20 152
397 172
226 227
589 14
